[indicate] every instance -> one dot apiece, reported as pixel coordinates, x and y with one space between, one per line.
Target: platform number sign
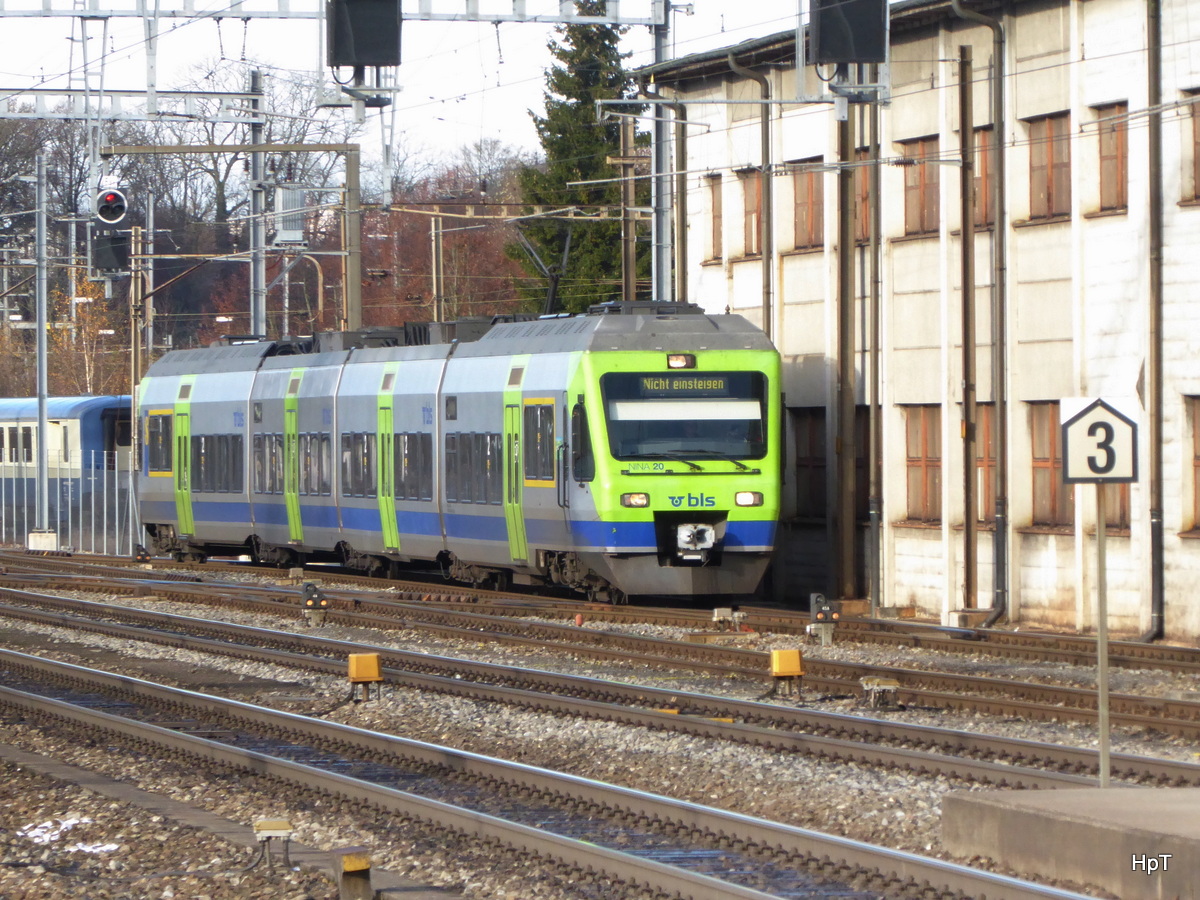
1099 442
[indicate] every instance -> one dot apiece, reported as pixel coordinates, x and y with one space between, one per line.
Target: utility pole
258 229
148 241
435 268
875 425
966 135
42 538
661 183
137 291
628 222
352 270
845 515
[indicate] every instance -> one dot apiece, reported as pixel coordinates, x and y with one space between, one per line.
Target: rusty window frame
985 203
1053 501
923 451
809 208
751 181
1113 139
922 180
1049 166
714 199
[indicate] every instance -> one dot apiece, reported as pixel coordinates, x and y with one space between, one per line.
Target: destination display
684 386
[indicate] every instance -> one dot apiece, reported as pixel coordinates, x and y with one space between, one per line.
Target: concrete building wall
1076 301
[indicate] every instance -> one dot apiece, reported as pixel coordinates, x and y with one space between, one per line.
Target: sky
460 81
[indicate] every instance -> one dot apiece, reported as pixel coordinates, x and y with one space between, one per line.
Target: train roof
643 331
610 326
20 408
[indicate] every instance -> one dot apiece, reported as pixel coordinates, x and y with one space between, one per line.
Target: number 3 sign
1099 442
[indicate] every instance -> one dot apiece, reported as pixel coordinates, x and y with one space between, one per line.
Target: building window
1114 156
1053 501
1195 104
1193 408
985 203
862 195
808 185
751 211
921 177
1116 507
985 462
1049 167
716 248
924 452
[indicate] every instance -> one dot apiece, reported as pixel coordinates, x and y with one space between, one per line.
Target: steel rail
944 690
1031 645
758 724
732 828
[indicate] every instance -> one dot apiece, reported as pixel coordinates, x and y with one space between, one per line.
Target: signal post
1099 447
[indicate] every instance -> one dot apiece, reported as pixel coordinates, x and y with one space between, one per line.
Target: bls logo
693 500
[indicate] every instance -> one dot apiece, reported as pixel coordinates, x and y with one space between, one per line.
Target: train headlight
636 500
748 498
681 361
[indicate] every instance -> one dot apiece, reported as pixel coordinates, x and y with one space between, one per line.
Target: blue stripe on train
613 537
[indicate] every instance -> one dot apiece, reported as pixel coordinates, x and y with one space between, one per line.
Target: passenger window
452 467
236 464
539 442
326 465
159 442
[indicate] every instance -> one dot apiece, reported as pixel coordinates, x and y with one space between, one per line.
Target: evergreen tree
576 145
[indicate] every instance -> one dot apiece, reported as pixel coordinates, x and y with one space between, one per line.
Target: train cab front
695 473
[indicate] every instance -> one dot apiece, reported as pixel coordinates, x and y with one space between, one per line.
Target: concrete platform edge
1130 841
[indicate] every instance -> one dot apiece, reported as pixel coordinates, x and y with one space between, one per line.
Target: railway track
873 742
1023 645
991 696
572 822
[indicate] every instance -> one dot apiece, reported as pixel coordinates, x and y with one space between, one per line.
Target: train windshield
693 415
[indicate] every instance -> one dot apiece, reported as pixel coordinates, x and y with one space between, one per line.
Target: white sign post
1099 446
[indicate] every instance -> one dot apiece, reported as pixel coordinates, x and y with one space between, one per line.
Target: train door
291 458
183 474
513 482
386 462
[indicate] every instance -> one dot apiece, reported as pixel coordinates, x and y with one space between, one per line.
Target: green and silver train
631 450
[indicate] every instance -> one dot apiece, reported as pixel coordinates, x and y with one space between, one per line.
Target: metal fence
91 506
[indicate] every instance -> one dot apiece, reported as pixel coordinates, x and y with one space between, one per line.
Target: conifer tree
588 68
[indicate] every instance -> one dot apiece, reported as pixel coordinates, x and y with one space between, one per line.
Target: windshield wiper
674 457
719 455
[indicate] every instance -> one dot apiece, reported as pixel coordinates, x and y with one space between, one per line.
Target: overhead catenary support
437 280
352 290
258 227
966 135
1000 544
1154 355
661 199
875 423
628 222
844 512
42 516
